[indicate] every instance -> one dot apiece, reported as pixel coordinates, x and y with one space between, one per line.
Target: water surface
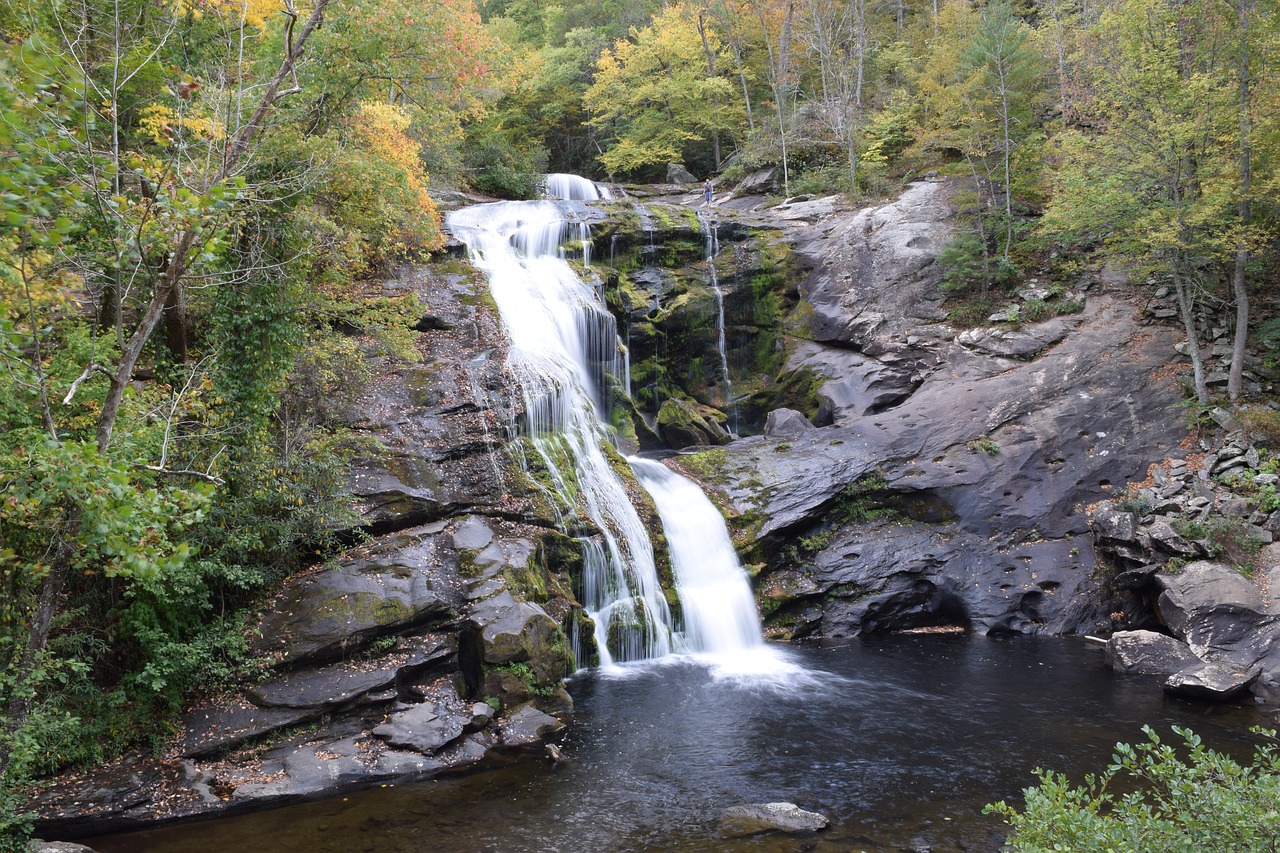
899 740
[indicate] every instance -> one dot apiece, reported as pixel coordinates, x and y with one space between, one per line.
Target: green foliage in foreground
1204 802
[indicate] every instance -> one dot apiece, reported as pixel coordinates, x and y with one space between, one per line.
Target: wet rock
520 632
332 685
1148 653
405 583
422 729
786 423
527 726
755 818
855 384
1215 681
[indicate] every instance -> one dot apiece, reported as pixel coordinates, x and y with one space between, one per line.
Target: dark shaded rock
527 726
1212 607
520 632
786 423
407 582
753 819
113 794
1216 681
472 535
422 729
678 174
210 730
1148 653
1137 578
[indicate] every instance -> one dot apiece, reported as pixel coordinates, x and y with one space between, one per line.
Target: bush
1203 803
1260 424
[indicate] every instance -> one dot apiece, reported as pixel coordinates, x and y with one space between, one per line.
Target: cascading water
718 608
564 355
713 278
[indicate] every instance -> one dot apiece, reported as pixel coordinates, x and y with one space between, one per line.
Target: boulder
401 584
759 182
36 845
422 728
678 174
1167 539
786 423
1217 681
756 818
526 726
520 632
1148 653
1212 607
682 425
1111 523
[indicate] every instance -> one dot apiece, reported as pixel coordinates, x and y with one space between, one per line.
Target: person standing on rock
707 193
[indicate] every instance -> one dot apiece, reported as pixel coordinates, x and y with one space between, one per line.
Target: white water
563 351
713 278
564 354
719 610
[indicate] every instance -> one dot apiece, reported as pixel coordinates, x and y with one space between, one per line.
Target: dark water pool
899 740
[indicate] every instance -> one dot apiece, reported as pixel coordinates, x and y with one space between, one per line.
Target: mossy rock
684 424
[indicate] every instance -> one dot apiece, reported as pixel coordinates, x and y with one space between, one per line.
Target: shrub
1205 802
1260 424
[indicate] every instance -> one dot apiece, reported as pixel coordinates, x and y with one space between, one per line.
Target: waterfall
563 355
718 608
713 278
566 360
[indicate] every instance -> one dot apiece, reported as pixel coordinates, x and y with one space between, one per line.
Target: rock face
417 653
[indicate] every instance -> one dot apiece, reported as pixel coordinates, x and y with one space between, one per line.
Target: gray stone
786 423
1210 606
756 818
36 845
422 728
678 174
1216 681
758 183
526 726
1168 539
322 688
1148 653
520 632
1111 523
212 729
1015 343
472 535
404 583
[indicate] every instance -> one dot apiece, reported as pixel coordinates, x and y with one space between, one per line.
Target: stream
900 740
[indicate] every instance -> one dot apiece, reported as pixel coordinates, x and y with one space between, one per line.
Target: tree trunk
1239 283
1186 307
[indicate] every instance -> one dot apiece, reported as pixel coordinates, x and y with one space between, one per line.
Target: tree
656 94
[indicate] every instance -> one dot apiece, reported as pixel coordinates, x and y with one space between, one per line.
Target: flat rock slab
217 728
1217 681
424 728
1148 653
326 687
527 726
753 819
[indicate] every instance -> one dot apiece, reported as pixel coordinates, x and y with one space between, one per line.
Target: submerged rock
755 818
1217 681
